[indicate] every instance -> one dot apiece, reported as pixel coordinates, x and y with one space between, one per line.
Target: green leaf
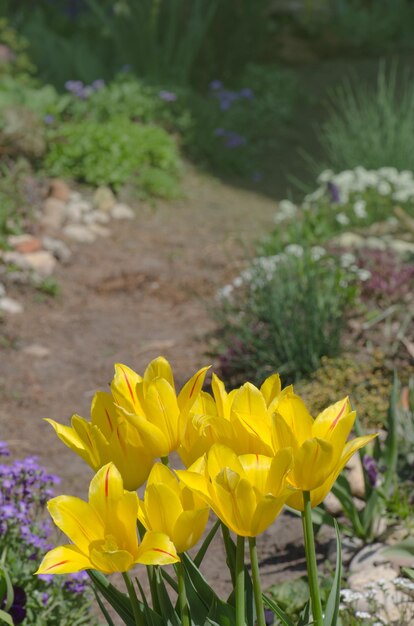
105 613
304 618
118 600
404 548
200 554
151 617
6 618
332 606
6 588
286 621
166 606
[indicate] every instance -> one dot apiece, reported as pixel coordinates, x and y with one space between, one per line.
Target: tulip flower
160 412
246 492
320 447
170 507
103 531
108 437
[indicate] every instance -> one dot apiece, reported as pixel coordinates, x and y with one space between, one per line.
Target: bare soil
144 291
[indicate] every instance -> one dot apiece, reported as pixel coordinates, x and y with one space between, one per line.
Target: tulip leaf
151 617
104 611
202 551
166 606
118 600
332 606
304 618
170 580
271 604
6 588
6 618
221 614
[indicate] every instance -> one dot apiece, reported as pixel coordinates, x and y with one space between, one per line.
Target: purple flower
269 617
77 583
4 449
234 140
334 191
219 132
49 119
215 85
168 96
45 598
247 93
47 578
98 84
371 469
17 609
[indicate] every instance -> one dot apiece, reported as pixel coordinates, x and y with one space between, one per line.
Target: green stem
257 588
138 618
153 588
311 560
182 596
229 548
240 610
164 460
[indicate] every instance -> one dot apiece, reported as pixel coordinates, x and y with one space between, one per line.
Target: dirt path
141 293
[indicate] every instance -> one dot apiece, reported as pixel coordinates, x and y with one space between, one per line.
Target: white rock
349 240
122 212
79 233
371 556
75 196
99 230
96 217
355 476
16 258
403 248
42 262
104 199
54 213
375 243
8 305
36 350
73 212
58 248
333 505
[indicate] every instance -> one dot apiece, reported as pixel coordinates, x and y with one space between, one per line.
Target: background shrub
111 153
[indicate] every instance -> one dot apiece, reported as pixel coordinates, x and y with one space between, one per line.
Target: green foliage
41 99
112 153
49 286
367 381
14 60
257 336
12 176
371 127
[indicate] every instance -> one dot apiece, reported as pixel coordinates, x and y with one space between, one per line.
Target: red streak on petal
334 423
107 482
164 552
109 419
195 383
128 385
56 565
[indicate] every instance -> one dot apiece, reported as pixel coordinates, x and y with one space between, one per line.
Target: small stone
59 189
96 217
75 196
54 213
332 505
355 476
98 229
15 258
402 248
8 305
122 212
369 557
74 212
375 243
32 244
19 278
42 262
371 574
2 290
104 199
58 248
349 240
36 350
79 233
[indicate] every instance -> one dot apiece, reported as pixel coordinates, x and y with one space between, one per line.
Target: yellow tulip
320 447
246 492
170 507
103 531
108 437
160 411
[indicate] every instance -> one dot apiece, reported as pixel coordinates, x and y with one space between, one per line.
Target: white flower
359 209
287 208
238 281
403 195
384 188
363 615
325 176
317 252
347 259
295 249
364 275
225 292
341 218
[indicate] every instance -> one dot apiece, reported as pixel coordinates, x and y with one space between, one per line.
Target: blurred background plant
25 533
256 335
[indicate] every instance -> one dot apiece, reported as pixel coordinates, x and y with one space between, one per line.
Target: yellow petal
191 389
282 434
163 508
159 368
154 439
156 549
220 396
162 474
103 413
293 410
123 522
77 519
268 508
161 409
105 491
189 528
280 467
248 402
220 457
313 463
110 561
328 422
93 440
123 387
256 469
64 560
71 439
196 482
127 451
271 388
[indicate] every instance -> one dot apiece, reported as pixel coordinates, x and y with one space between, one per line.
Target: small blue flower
215 85
167 96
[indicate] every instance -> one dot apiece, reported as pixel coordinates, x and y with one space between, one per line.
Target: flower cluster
82 91
226 97
25 534
247 453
